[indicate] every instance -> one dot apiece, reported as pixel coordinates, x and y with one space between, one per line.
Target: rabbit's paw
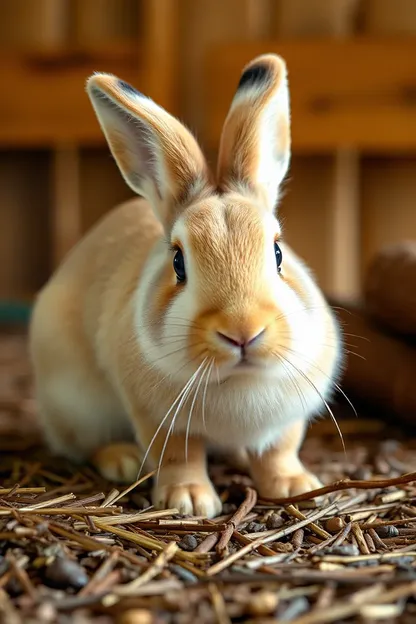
283 486
194 499
118 462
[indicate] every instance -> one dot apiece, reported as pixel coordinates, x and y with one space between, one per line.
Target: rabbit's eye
278 254
179 266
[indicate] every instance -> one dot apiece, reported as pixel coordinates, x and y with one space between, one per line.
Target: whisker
174 417
188 424
310 382
184 348
296 386
205 393
218 374
162 423
169 375
335 384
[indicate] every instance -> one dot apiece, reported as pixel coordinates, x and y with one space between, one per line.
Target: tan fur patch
227 241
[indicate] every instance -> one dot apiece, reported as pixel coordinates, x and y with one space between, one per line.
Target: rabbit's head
221 292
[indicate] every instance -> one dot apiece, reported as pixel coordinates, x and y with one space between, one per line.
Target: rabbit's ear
254 151
157 156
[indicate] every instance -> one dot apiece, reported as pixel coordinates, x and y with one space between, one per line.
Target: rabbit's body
232 351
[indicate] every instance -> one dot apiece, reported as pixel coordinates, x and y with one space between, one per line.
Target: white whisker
163 422
205 392
181 403
310 382
188 425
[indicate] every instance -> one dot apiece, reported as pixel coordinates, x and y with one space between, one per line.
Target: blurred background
352 72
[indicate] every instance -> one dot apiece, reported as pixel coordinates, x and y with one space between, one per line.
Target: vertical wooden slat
66 215
159 39
304 211
259 15
101 185
24 235
333 18
345 226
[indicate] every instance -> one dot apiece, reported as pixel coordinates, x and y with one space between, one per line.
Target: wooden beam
356 93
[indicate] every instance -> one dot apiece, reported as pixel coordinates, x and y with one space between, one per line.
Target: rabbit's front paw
194 499
283 486
118 462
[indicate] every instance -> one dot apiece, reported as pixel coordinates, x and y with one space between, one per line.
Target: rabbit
182 320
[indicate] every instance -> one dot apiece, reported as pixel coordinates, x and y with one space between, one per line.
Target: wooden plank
358 93
47 103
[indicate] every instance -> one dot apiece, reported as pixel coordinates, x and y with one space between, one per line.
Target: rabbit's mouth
247 363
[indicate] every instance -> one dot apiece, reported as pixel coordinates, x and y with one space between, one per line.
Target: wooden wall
57 178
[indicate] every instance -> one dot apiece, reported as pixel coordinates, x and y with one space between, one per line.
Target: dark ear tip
254 76
127 88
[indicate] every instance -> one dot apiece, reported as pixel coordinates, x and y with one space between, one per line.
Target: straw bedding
74 549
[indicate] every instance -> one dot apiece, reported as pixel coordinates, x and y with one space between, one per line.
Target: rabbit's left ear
254 150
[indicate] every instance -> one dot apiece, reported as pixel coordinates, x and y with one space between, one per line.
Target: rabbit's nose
241 341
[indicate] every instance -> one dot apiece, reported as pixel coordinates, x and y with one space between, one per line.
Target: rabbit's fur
134 364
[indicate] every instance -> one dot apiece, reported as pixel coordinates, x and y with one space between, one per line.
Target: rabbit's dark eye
278 254
179 266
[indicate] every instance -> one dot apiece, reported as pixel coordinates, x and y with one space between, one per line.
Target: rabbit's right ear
157 156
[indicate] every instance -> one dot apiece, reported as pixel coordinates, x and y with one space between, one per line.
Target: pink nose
241 342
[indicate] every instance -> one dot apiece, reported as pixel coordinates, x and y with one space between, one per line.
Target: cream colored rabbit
182 319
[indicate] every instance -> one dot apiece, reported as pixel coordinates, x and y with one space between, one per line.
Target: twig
312 526
133 486
156 568
344 484
244 509
225 563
